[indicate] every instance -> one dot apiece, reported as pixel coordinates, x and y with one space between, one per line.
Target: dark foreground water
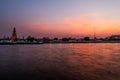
60 62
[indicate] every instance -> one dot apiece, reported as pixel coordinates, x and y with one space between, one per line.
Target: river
88 61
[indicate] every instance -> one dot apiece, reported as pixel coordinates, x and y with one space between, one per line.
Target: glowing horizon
73 18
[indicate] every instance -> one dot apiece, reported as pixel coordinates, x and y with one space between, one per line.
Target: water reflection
60 62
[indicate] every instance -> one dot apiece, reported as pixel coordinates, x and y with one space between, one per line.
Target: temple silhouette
14 35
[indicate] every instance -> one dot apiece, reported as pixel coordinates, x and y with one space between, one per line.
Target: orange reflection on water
94 61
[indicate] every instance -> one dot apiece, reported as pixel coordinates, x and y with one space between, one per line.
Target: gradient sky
60 18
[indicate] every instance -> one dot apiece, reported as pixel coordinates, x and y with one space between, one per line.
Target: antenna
94 32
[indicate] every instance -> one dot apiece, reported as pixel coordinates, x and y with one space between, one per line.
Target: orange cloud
81 25
86 24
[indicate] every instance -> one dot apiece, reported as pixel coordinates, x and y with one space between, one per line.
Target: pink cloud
78 25
86 24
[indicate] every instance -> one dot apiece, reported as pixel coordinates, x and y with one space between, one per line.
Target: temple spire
14 35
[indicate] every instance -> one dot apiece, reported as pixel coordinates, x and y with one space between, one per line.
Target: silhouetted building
30 39
115 37
86 38
14 35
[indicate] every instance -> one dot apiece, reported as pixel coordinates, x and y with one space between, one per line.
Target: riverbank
26 43
20 43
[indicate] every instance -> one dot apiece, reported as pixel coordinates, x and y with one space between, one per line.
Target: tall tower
14 35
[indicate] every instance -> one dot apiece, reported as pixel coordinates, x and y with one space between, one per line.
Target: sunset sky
60 18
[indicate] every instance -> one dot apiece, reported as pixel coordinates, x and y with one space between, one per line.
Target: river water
89 61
